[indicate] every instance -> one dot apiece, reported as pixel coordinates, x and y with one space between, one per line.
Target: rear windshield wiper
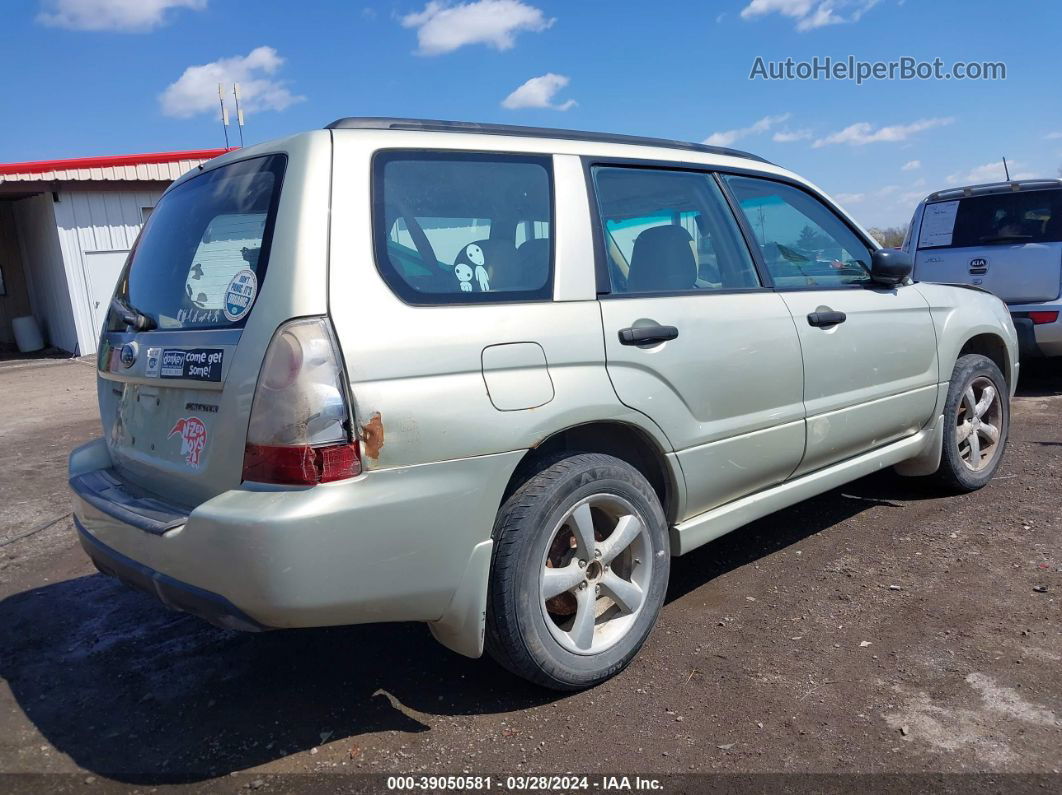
1002 238
131 316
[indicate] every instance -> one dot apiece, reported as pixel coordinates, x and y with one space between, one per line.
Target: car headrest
1053 227
532 264
662 261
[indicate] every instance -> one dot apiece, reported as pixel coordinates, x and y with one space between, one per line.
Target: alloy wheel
595 574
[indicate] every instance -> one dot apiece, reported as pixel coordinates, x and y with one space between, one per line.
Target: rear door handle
825 319
641 335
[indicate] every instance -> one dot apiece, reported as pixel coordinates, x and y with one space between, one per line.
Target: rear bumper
173 593
1044 339
391 545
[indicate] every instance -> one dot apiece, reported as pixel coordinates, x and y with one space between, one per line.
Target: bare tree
890 236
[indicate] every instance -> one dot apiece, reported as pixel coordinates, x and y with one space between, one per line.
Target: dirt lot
878 628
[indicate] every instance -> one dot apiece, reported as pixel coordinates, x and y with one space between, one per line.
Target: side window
804 243
455 227
669 231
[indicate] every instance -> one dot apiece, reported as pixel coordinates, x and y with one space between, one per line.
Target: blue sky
91 77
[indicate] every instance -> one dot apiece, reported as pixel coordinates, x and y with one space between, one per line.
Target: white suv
493 378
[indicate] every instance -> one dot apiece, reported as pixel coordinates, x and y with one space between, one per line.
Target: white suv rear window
201 239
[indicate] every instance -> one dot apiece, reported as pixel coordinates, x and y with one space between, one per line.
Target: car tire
579 572
974 425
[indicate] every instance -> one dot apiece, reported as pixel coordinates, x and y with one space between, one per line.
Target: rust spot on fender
372 436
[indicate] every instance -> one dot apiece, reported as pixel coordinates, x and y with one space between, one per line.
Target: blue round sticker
239 296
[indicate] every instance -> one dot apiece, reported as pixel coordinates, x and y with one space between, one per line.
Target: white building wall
46 277
91 222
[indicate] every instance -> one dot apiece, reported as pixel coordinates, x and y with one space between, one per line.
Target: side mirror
890 266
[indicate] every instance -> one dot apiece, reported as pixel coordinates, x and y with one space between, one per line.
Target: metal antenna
224 115
1005 169
239 110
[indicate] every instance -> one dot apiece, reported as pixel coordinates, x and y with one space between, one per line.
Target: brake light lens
300 431
1039 318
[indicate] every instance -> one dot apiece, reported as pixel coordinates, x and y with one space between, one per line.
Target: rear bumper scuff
173 593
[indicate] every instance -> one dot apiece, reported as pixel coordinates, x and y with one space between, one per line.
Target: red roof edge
107 161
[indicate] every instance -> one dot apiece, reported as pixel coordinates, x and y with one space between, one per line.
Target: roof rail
436 125
994 187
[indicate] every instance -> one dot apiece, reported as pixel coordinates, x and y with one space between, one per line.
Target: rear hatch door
1007 243
174 421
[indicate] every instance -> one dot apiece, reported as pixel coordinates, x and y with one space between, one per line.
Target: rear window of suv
202 255
460 227
996 219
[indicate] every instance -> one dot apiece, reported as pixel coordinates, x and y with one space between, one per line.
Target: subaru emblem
128 354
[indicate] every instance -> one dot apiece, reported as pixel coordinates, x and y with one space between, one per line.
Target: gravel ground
879 628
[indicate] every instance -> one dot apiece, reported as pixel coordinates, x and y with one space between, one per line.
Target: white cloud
538 92
850 198
1054 136
789 136
810 14
729 137
991 172
127 16
442 27
911 165
862 133
196 90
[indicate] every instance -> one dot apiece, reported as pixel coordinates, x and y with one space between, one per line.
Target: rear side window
464 227
202 255
995 219
669 232
804 243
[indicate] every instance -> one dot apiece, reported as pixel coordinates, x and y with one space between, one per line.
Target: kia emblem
978 262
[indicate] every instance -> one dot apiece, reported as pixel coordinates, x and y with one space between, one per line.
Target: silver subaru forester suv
492 378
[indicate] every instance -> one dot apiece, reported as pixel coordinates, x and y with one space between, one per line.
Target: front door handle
826 319
642 335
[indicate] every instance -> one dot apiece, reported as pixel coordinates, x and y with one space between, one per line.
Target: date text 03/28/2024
523 783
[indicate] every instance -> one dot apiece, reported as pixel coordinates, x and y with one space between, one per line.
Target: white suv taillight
300 427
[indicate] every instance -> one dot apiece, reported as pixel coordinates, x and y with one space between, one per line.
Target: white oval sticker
239 296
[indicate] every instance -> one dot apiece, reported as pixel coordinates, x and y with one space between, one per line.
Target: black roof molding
994 187
437 125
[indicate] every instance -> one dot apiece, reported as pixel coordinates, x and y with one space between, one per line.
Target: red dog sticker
193 439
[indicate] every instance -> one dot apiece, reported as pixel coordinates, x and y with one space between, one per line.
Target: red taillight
337 462
1039 318
300 465
299 431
